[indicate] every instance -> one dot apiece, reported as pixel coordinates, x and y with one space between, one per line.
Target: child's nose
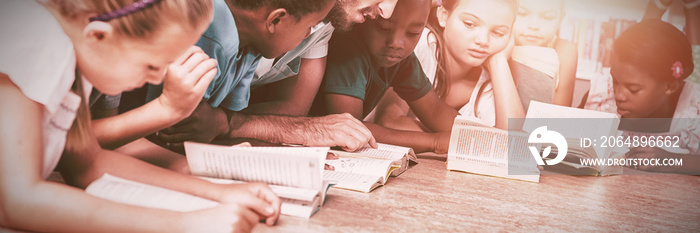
395 41
482 39
619 95
534 24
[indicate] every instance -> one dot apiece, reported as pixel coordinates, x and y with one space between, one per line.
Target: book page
375 167
357 182
295 201
281 191
592 130
490 151
133 193
299 167
479 145
383 151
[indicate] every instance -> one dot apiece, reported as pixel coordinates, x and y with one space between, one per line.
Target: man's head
281 25
347 13
392 40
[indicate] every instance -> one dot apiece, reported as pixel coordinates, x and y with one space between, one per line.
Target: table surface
427 197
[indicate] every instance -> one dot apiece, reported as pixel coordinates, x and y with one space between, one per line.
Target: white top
481 105
315 46
38 57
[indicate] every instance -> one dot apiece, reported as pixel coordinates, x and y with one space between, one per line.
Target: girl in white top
535 33
465 54
649 65
115 45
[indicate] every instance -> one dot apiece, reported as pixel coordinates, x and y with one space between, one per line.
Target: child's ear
97 31
673 86
274 19
442 16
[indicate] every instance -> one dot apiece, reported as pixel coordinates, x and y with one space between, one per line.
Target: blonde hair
142 23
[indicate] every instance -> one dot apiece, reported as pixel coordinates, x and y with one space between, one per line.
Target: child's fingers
193 61
243 144
263 208
206 79
181 60
332 156
199 72
265 193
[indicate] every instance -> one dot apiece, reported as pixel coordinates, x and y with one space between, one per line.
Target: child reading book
464 52
48 47
237 39
539 49
375 56
649 63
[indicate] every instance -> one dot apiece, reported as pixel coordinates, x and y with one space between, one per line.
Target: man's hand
341 130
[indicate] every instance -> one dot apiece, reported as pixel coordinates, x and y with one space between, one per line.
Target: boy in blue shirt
285 94
270 37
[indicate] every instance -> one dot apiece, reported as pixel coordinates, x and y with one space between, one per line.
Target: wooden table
427 197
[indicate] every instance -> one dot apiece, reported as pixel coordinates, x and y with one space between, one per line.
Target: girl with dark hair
649 65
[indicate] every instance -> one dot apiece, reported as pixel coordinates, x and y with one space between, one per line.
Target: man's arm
341 130
292 96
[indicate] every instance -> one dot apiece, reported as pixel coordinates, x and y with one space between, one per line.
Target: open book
298 170
485 150
368 168
576 124
295 201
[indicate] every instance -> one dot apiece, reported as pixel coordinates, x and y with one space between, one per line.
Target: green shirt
350 71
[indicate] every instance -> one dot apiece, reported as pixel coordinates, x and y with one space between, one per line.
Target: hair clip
136 6
677 69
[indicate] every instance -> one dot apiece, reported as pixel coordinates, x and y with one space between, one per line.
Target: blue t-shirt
236 65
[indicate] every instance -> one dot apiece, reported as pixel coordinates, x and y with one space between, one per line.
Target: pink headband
136 6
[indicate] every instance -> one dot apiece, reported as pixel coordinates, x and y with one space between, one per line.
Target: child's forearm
419 141
47 206
506 97
116 131
127 167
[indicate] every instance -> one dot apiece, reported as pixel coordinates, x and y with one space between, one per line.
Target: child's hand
203 125
224 218
330 156
186 81
499 58
257 197
442 142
